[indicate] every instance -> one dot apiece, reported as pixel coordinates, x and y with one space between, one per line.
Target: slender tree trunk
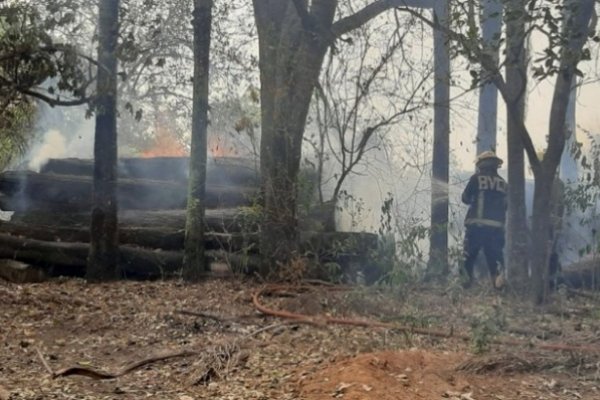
103 255
516 82
194 263
578 15
438 251
491 24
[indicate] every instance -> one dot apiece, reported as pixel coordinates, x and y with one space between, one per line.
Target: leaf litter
50 327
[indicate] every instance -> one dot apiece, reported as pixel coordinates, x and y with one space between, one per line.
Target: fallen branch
101 374
326 320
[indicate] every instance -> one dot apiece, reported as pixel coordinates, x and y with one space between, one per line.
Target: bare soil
239 353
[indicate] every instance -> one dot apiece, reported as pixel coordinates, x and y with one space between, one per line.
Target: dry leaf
4 394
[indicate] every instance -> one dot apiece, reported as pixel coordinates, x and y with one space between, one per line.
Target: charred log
60 258
69 259
322 245
25 190
149 237
217 220
220 170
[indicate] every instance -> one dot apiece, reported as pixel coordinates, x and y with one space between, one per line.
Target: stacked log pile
50 227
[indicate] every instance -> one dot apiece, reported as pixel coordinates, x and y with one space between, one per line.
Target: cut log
324 245
149 237
25 191
227 220
220 170
59 258
69 259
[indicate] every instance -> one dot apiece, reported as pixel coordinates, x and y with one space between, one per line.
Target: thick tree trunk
103 250
438 251
291 55
194 263
516 82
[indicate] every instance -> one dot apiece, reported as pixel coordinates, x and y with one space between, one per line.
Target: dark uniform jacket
486 196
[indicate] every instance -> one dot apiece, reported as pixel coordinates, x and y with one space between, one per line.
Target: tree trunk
569 173
194 263
576 26
438 251
293 36
516 82
540 235
491 24
103 249
291 56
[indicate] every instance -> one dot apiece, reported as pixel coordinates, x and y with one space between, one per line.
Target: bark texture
294 36
103 249
578 15
517 237
291 53
194 263
438 250
491 24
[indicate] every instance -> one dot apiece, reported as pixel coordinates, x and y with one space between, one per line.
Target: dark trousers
491 240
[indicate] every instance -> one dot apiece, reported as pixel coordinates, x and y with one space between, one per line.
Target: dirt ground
234 352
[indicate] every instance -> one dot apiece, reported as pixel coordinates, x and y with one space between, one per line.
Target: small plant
294 271
485 326
398 255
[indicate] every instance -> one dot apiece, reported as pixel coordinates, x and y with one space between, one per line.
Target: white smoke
61 133
53 146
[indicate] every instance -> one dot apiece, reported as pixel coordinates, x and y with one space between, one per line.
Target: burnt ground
69 323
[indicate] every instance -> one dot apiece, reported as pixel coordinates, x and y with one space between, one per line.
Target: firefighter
485 195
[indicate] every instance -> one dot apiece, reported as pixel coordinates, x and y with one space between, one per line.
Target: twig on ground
44 362
216 317
100 374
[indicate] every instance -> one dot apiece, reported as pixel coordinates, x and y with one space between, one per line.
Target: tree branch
55 101
371 11
488 64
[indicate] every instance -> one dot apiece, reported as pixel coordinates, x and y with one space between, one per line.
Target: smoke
61 133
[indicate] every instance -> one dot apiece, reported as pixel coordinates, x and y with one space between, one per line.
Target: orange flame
166 144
